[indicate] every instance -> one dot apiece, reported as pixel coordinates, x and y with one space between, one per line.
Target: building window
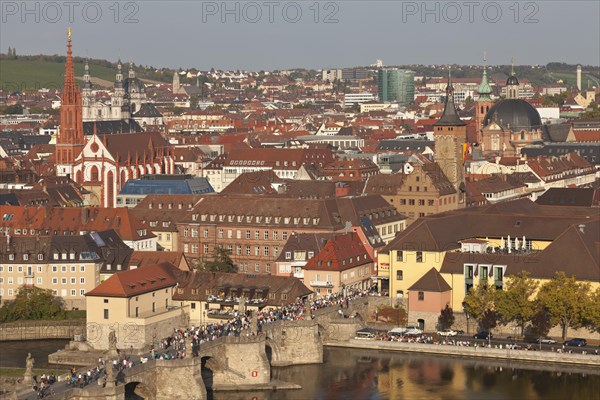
421 296
275 235
39 280
399 275
220 235
257 251
419 256
257 235
194 249
266 251
105 313
205 248
186 232
73 292
55 281
268 268
399 255
248 251
82 281
284 235
411 202
256 267
248 234
421 202
266 235
195 232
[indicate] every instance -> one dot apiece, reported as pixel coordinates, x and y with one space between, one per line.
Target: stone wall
37 330
294 342
132 335
586 360
236 361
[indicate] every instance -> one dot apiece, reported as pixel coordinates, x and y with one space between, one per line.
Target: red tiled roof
138 281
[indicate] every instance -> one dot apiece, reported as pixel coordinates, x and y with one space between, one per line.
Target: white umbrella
524 244
509 244
516 243
502 243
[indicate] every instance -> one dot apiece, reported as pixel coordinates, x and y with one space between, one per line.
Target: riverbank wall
584 360
39 330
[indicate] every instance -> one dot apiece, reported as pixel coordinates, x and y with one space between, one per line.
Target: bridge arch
138 390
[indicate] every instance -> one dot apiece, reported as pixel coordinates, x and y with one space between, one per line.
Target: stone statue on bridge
28 377
112 351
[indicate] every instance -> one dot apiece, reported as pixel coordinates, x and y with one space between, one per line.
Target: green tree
478 301
32 303
592 312
489 320
540 325
515 303
221 262
446 318
565 299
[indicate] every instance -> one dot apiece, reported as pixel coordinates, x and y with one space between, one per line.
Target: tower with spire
70 140
86 93
450 135
512 89
484 100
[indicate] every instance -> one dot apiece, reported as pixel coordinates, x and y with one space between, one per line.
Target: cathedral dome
514 114
512 81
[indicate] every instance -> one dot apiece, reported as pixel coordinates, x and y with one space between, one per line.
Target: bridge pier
294 342
235 362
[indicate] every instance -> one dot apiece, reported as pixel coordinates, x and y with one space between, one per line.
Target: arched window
110 181
94 174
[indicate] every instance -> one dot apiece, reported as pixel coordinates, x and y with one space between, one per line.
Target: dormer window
25 257
40 257
11 256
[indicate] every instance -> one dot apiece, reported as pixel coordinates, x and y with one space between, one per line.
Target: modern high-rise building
396 86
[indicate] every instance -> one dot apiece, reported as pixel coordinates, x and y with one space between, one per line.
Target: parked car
577 342
545 340
412 330
483 335
447 332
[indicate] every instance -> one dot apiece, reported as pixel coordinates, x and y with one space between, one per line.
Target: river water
349 374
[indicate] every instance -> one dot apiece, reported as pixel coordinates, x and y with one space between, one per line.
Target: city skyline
165 37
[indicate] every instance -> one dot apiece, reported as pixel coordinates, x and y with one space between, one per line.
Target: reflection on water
360 374
13 354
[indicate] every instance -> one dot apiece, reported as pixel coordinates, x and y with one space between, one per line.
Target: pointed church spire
450 115
512 67
484 90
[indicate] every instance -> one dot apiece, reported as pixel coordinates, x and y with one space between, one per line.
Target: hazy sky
284 34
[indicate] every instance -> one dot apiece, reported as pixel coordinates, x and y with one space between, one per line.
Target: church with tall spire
70 139
102 163
450 136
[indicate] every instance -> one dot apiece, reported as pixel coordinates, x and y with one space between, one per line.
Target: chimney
582 228
342 189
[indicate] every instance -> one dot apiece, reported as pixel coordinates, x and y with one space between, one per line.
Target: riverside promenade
591 361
